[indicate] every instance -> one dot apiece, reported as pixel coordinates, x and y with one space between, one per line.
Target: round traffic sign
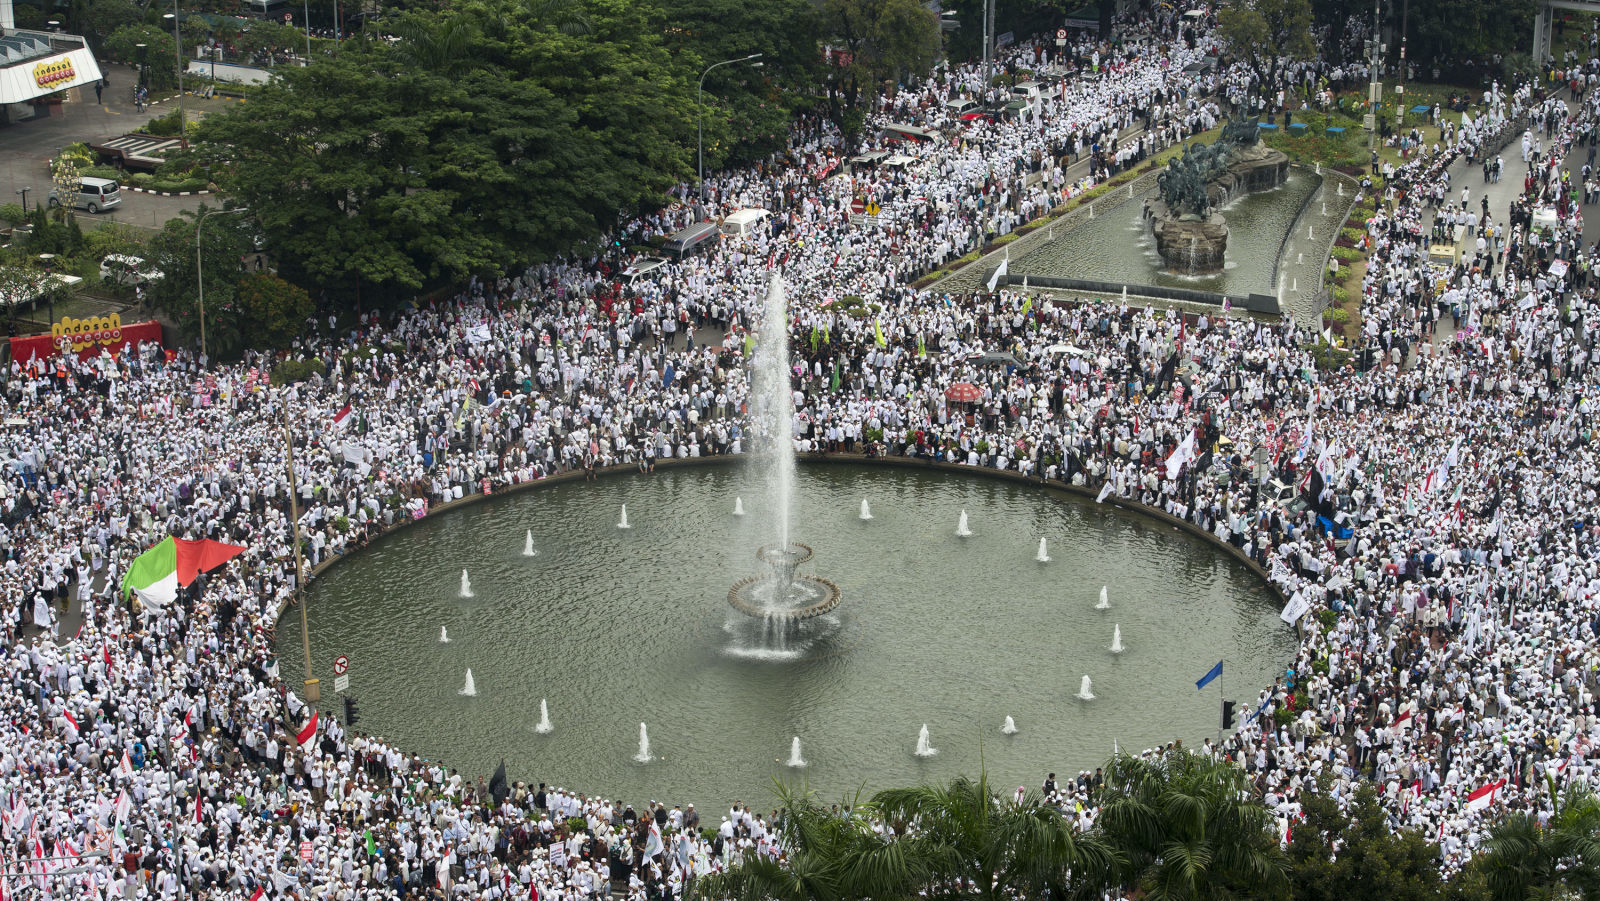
341 665
1061 34
288 17
858 206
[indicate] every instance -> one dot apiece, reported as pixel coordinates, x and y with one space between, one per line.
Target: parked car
128 271
94 195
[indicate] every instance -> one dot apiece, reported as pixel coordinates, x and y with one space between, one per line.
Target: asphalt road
27 146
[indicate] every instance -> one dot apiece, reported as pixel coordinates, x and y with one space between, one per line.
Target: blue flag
1206 679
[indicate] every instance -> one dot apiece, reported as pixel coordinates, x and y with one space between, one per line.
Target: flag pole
1221 699
313 686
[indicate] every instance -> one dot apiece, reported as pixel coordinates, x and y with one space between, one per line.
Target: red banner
85 337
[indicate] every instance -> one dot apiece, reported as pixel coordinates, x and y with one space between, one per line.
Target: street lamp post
199 266
142 66
24 192
699 128
177 51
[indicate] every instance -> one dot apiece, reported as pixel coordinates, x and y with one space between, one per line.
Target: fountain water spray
471 688
466 585
961 527
738 506
623 523
1084 694
1104 604
644 755
923 748
1116 639
527 545
772 402
1311 232
1044 554
1010 727
544 727
795 759
444 635
866 511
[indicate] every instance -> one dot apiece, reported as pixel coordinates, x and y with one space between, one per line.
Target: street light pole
199 266
699 128
305 6
177 51
24 192
313 686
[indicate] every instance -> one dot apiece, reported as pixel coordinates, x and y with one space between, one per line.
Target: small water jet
961 527
1116 639
866 511
1084 694
738 506
923 748
444 635
466 585
527 545
795 760
1105 604
644 755
471 688
1010 727
544 727
623 523
1044 555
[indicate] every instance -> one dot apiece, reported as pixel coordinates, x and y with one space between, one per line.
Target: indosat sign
55 74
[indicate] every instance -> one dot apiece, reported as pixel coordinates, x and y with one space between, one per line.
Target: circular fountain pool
617 627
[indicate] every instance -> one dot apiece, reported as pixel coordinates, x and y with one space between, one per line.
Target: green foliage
290 371
1187 827
158 53
1348 254
273 311
1329 357
887 40
167 125
1523 859
486 140
1339 854
1334 314
224 241
1341 296
1260 31
11 213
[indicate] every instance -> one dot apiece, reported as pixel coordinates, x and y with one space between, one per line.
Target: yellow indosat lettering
54 73
84 334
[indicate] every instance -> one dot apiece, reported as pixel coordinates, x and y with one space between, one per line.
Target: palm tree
1523 860
827 856
443 47
1186 826
974 843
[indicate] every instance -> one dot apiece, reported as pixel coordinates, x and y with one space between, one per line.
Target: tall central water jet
544 727
782 598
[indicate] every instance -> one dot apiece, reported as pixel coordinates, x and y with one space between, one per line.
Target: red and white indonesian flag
1403 721
309 733
341 419
1485 796
157 574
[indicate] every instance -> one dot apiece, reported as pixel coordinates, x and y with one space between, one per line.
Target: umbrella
963 393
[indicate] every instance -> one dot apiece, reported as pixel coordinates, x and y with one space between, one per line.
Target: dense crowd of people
1438 551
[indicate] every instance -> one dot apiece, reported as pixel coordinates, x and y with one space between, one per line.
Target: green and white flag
157 574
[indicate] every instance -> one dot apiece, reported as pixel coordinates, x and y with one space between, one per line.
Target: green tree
1336 855
1187 827
272 312
224 241
965 834
828 857
157 54
1524 860
886 40
1260 32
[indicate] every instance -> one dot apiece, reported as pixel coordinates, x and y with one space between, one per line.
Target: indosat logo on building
54 73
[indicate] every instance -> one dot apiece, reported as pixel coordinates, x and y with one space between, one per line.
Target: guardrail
1255 303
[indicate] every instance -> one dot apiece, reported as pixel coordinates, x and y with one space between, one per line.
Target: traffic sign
873 208
1061 34
305 851
289 17
341 665
341 683
858 206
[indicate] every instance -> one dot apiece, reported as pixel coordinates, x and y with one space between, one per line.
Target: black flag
497 784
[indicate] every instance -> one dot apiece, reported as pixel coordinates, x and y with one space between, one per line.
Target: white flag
999 273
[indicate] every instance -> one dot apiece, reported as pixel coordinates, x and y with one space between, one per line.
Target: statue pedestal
1189 247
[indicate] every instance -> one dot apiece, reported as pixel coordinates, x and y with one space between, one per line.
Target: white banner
1296 608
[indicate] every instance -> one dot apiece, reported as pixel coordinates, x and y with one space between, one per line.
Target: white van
1028 92
94 195
743 223
958 106
121 269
